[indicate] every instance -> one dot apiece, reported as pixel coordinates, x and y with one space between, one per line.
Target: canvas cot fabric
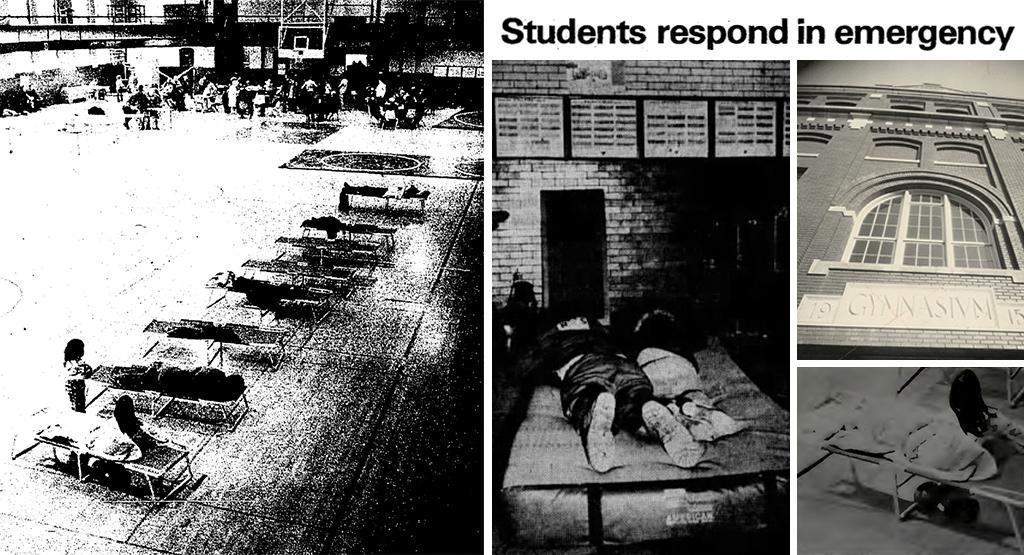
644 496
837 408
86 433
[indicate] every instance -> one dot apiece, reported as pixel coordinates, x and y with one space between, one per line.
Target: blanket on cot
85 433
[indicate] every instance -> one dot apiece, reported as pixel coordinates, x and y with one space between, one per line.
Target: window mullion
901 229
947 230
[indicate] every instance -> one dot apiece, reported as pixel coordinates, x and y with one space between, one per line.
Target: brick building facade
908 235
638 182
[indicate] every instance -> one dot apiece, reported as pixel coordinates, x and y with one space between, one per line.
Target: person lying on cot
264 294
603 391
676 379
210 384
975 417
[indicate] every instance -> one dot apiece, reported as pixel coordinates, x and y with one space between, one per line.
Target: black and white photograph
242 288
640 330
909 242
910 460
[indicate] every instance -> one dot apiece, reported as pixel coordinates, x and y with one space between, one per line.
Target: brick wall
656 211
834 178
640 212
656 78
657 244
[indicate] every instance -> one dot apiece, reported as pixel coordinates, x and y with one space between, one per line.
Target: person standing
232 95
342 92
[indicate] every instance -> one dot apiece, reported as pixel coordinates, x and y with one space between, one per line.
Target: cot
231 412
217 335
999 484
390 194
336 278
164 465
554 499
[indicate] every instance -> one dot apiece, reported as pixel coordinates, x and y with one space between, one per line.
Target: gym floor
368 438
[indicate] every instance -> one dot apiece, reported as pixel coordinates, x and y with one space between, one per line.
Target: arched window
903 103
923 228
811 144
956 154
954 108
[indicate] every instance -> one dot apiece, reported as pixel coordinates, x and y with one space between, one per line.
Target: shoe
679 444
598 440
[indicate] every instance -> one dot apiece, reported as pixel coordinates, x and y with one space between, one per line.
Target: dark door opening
573 228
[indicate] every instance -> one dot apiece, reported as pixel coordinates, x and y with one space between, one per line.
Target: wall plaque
867 305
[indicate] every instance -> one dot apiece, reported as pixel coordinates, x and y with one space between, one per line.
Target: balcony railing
75 19
118 15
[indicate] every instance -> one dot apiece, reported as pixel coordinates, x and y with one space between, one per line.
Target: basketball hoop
298 54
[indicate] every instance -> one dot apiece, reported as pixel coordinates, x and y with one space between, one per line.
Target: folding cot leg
218 352
910 379
182 483
811 466
280 358
907 512
1016 527
241 413
97 396
151 347
161 410
14 444
1014 398
219 299
595 520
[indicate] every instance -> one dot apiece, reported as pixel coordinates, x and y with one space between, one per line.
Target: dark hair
124 414
967 403
658 328
74 350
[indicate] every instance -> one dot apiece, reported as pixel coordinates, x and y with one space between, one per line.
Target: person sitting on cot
976 418
603 391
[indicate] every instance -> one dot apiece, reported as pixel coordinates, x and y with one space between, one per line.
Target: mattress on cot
554 498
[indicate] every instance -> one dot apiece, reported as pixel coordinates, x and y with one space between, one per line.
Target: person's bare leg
677 440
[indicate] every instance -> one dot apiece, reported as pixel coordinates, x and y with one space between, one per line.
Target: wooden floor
369 437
